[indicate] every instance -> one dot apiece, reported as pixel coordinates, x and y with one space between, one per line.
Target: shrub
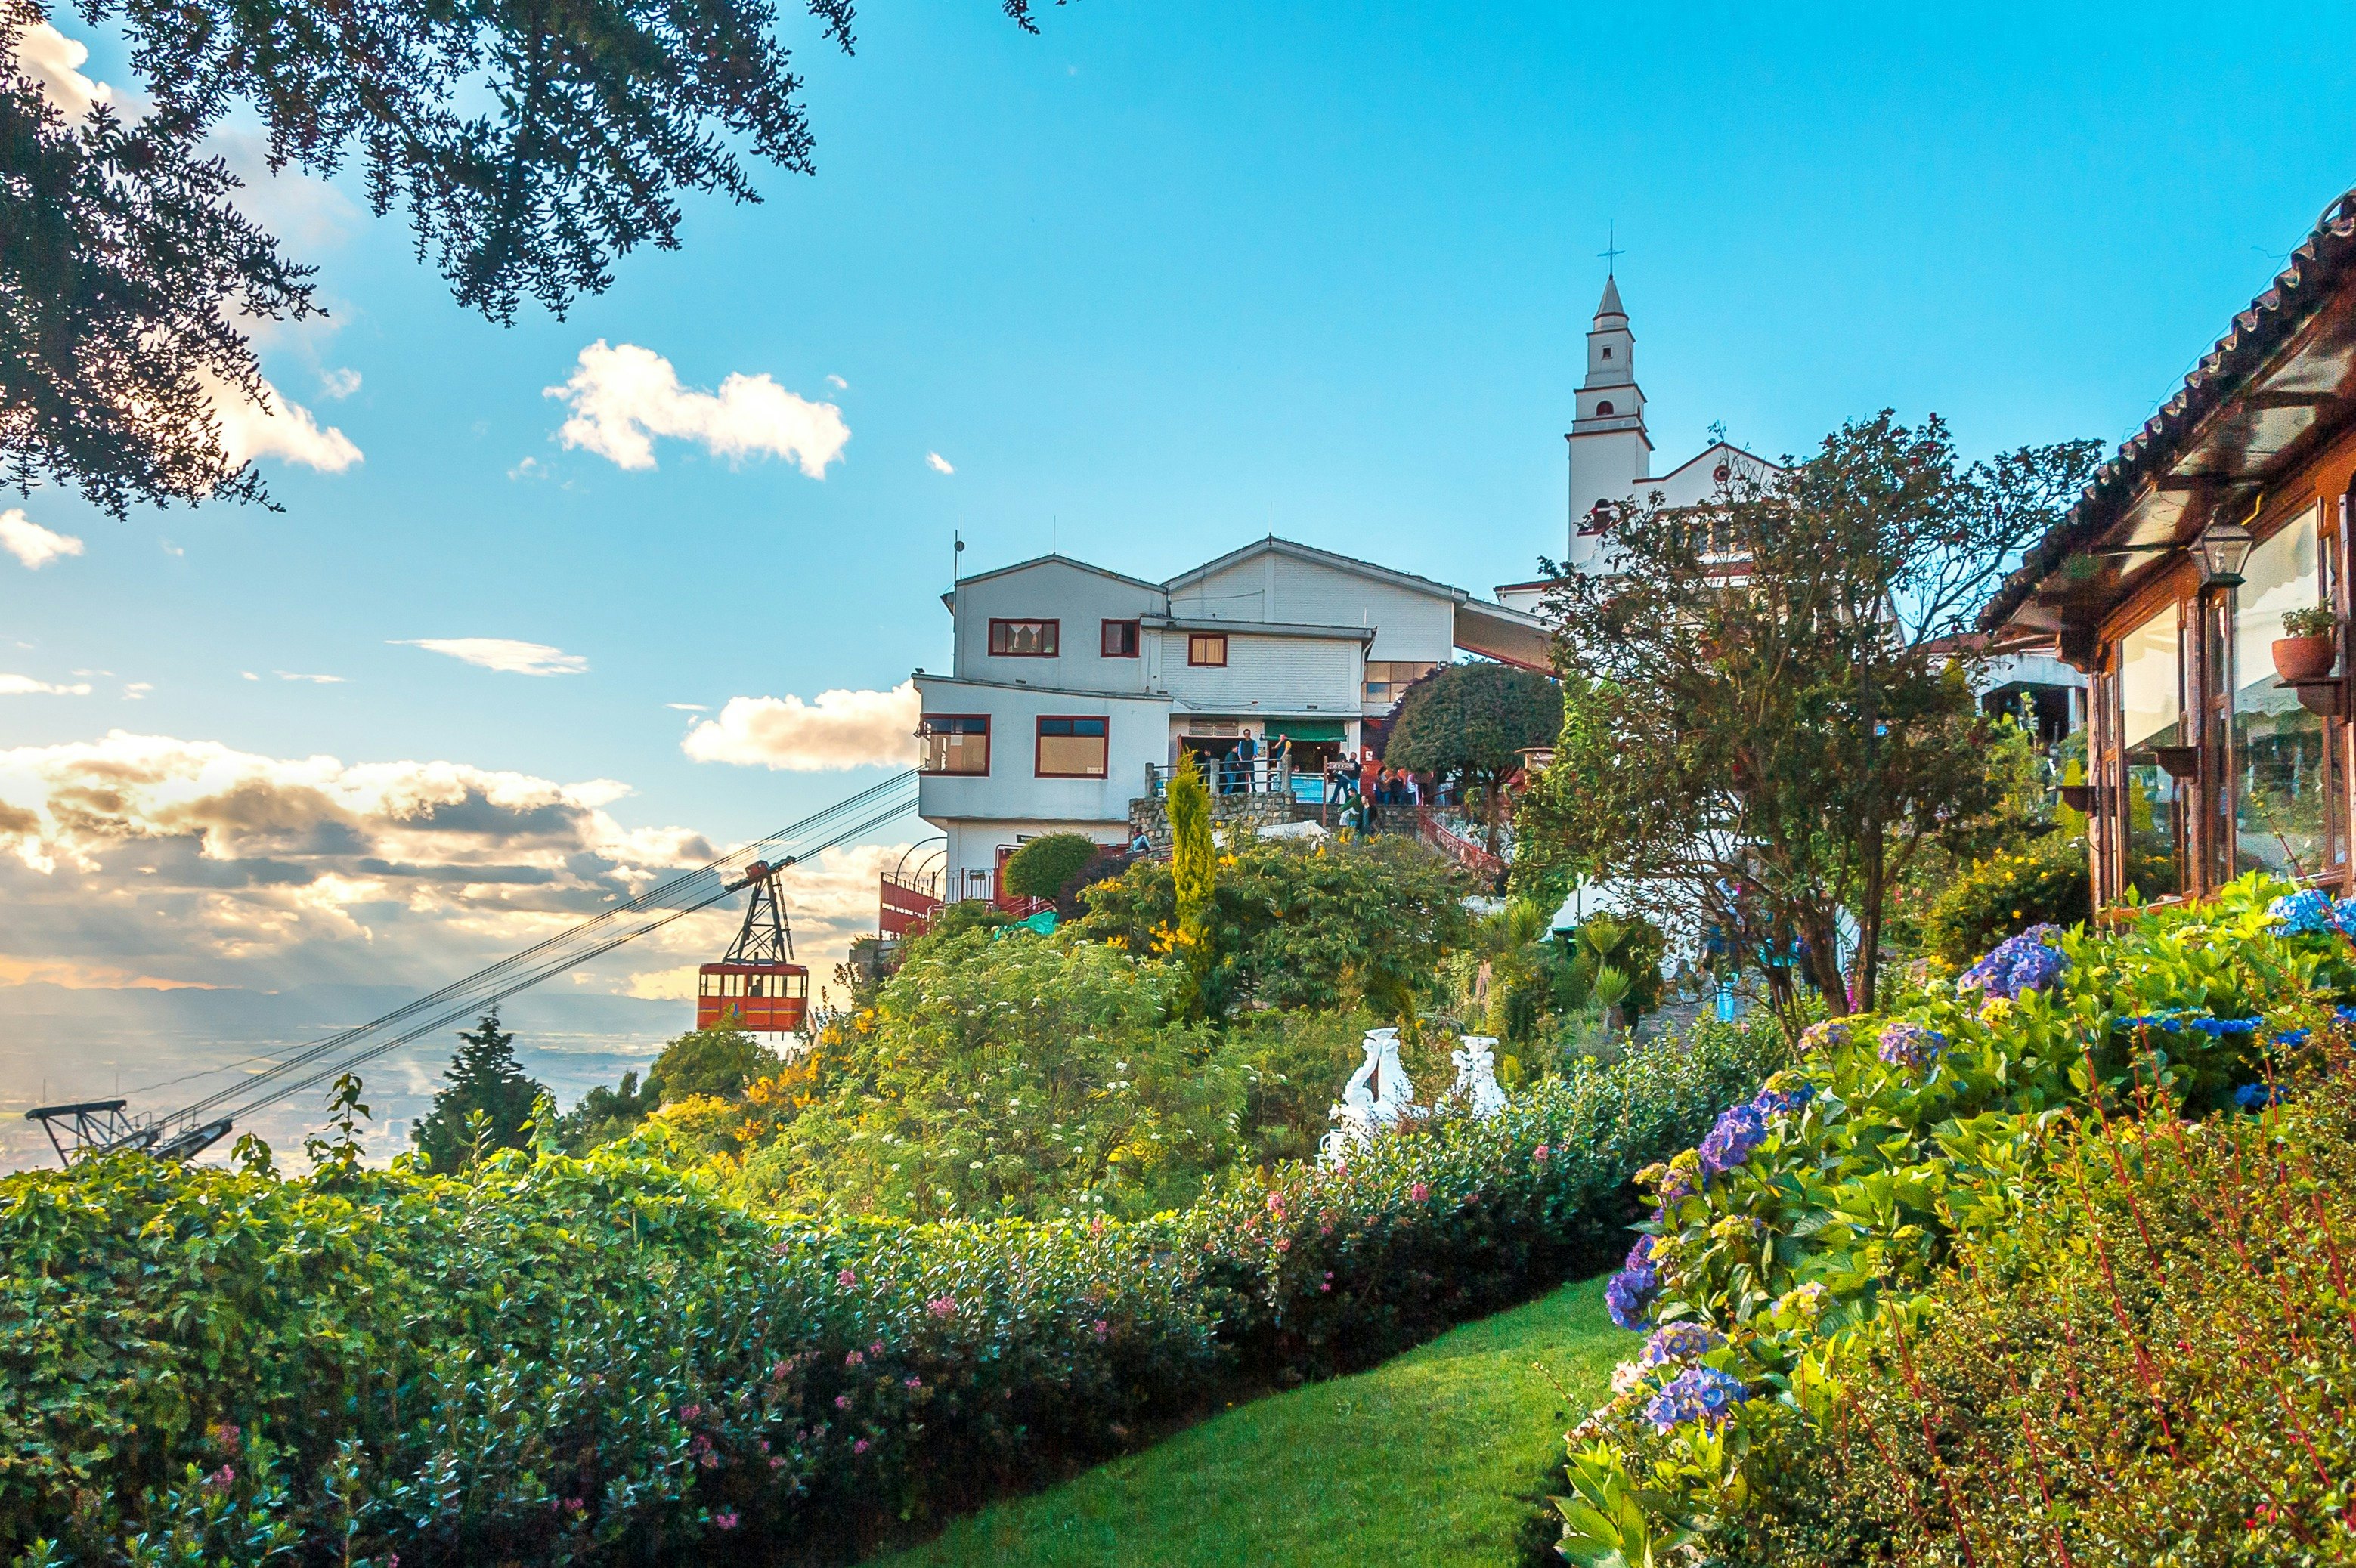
557 1359
720 1061
2039 881
1834 1200
1040 868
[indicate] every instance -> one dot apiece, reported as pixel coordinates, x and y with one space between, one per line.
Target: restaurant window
2151 716
2281 783
1387 679
1024 639
1207 648
1071 749
953 743
1121 639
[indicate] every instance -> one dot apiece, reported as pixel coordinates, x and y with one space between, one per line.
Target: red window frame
1195 641
1054 637
1106 650
1039 737
924 732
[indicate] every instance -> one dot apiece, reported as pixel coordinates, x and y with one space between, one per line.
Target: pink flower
842 1402
1102 1328
912 1382
853 1359
1419 1191
846 1279
725 1520
1284 1243
576 1505
876 1349
1541 1152
859 1445
776 1461
689 1412
942 1307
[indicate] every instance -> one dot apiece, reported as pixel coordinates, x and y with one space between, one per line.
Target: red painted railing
1454 845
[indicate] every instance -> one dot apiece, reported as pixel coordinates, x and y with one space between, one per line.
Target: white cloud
31 543
687 706
338 384
529 469
306 212
504 654
314 679
623 397
52 62
839 384
171 549
25 685
134 690
276 427
248 675
938 463
837 729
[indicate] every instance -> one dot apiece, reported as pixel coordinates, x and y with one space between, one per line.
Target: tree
720 1060
1193 860
1769 750
1474 721
1040 868
604 1115
485 1103
531 143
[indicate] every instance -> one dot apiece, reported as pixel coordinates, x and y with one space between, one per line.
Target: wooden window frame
1039 738
1195 639
1136 640
924 734
1054 635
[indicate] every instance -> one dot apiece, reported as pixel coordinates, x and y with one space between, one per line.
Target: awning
1307 729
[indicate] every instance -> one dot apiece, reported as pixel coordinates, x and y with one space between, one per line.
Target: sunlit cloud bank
622 398
835 730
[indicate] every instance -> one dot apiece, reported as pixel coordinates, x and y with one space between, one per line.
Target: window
1024 639
2150 710
1387 679
1121 639
1607 351
1603 408
2281 765
1207 648
1071 749
954 743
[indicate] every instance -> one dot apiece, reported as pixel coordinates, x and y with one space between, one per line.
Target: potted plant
2310 645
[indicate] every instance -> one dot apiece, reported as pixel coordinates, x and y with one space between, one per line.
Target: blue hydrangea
1702 1394
2175 1021
1680 1343
1911 1046
1630 1295
2305 914
1740 1130
2018 963
1776 1102
2256 1096
2294 1038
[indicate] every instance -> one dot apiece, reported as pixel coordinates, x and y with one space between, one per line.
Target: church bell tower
1610 455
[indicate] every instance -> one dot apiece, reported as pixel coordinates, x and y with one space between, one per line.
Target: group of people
1362 781
1237 771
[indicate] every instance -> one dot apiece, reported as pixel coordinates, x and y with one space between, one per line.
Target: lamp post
2223 546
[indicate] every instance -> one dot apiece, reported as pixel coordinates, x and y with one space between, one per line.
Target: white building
1069 680
1611 453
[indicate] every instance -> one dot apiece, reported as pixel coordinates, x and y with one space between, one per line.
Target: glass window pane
953 744
2281 774
2150 708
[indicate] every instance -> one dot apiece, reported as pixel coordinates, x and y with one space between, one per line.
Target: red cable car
756 979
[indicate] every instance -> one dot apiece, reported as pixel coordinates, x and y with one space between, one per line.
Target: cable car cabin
768 999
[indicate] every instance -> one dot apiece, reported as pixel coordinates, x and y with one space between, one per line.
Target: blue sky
1156 281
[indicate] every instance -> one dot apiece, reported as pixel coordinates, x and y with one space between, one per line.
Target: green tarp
1306 729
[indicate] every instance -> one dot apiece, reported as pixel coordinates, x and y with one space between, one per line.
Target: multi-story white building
1071 683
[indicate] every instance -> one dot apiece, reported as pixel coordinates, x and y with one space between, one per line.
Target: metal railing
1231 775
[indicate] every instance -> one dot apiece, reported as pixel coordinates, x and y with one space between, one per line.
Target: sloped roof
1310 554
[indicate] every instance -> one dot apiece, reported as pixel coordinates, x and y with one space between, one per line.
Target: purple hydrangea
1680 1343
1911 1046
1630 1295
1740 1130
1773 1102
2305 914
2016 963
2254 1096
1698 1393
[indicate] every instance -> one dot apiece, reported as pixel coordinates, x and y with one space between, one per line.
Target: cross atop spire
1612 251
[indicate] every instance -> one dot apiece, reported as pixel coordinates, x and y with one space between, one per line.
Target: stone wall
1147 815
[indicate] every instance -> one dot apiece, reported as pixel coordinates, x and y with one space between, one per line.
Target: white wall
1408 623
1060 591
1137 732
974 842
1266 675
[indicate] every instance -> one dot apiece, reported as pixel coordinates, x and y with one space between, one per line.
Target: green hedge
561 1358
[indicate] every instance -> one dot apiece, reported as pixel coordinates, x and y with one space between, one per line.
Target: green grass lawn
1442 1456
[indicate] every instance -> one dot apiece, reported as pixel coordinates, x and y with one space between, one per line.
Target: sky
1154 283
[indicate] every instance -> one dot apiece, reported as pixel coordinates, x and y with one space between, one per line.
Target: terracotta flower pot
2304 658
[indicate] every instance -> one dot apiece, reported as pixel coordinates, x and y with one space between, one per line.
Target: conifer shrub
554 1359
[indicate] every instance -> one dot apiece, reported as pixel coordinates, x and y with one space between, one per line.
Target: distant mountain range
163 1050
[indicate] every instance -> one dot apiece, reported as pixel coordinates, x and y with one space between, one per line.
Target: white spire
1610 453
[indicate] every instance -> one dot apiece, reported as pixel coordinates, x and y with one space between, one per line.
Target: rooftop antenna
1612 251
957 554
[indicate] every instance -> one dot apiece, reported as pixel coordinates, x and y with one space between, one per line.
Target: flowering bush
1911 1141
554 1359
